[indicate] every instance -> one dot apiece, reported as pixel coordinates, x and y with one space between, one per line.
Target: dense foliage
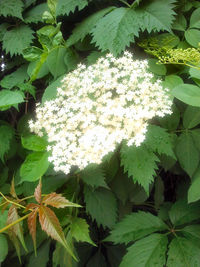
141 205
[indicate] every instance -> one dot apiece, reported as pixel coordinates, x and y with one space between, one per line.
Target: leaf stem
12 202
13 223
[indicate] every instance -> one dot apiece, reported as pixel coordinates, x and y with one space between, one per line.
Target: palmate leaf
136 226
64 7
149 251
17 39
11 8
183 253
58 201
140 163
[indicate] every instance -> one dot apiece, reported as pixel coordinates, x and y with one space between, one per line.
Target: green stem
12 202
13 223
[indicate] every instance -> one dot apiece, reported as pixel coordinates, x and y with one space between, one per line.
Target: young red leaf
32 226
38 192
58 201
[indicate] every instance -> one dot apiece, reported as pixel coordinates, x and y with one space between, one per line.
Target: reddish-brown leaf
32 225
32 206
58 201
38 192
12 189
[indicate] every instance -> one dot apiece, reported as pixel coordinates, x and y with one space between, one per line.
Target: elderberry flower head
99 106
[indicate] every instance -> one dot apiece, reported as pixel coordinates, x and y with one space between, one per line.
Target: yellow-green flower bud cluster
99 106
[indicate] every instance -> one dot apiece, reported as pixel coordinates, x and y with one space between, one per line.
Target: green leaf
180 24
11 8
3 29
172 81
4 247
62 258
191 117
116 30
37 69
171 121
135 226
98 260
34 15
196 137
15 78
194 192
140 163
80 231
192 36
101 205
34 142
156 68
187 153
32 53
6 135
149 251
188 93
51 90
9 98
71 59
65 7
84 28
34 166
181 212
55 61
94 176
194 73
182 253
195 19
159 141
191 232
42 256
17 39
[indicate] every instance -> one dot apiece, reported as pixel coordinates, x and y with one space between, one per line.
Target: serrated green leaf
3 28
192 36
11 8
191 117
80 231
181 212
195 19
182 253
51 90
149 251
17 39
4 247
135 226
94 176
116 30
65 7
9 98
34 15
84 28
194 192
187 153
156 68
159 141
101 205
34 142
15 78
34 166
6 135
180 23
188 93
140 163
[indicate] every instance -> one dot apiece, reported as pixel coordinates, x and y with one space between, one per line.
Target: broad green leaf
93 175
194 73
34 166
64 7
71 59
34 142
195 19
4 247
182 253
34 15
159 141
116 30
6 135
98 260
51 90
38 69
80 230
181 212
32 53
101 205
135 226
140 163
9 98
11 8
156 68
187 153
196 137
149 251
194 192
55 61
15 78
84 28
171 121
17 39
191 117
192 36
172 81
188 93
191 232
42 256
180 24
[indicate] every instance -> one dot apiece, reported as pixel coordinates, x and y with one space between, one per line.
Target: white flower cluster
99 106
